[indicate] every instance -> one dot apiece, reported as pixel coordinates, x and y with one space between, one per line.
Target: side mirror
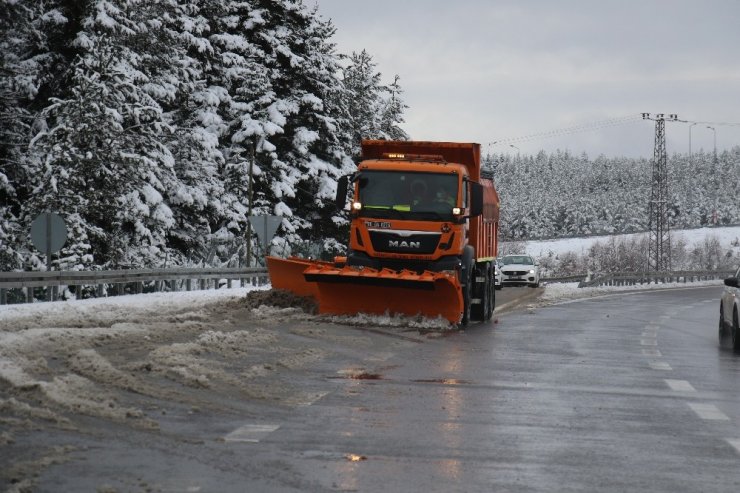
732 282
342 185
476 199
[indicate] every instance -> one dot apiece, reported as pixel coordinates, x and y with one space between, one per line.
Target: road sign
265 227
48 232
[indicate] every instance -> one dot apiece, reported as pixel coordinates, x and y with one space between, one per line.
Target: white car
520 270
729 311
499 283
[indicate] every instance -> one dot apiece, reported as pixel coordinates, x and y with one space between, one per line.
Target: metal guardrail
634 278
125 281
573 278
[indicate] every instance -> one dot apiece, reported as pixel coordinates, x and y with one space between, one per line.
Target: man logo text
404 244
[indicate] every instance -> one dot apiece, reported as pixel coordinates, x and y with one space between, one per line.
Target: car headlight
531 271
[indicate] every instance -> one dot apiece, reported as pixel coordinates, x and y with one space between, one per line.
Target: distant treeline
560 194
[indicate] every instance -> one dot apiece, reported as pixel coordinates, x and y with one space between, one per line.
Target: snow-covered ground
106 312
114 307
564 292
580 246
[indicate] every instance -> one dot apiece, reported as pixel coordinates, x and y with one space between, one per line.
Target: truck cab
410 212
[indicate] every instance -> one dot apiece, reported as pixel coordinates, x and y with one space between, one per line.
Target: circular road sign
48 232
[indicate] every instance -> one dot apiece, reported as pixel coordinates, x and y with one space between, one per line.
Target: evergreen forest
156 128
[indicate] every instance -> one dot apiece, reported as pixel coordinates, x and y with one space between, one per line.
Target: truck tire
466 280
481 285
734 330
492 284
467 295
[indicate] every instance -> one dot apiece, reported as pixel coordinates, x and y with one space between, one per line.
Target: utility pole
659 246
253 156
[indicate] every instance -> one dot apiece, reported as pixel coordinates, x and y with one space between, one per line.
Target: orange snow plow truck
423 237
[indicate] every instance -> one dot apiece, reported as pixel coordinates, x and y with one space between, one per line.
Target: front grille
516 272
387 241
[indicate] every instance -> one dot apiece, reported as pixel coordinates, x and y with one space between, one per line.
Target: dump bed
464 153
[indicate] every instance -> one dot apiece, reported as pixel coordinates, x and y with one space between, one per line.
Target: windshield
517 259
408 195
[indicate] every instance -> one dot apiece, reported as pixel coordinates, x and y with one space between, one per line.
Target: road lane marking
708 412
651 352
250 433
650 335
660 365
648 342
680 385
735 442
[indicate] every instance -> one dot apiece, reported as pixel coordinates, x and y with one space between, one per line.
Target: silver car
729 308
520 270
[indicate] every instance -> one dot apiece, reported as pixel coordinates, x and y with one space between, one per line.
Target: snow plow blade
343 290
287 274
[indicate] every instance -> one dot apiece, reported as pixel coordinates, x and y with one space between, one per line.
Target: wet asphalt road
620 393
626 393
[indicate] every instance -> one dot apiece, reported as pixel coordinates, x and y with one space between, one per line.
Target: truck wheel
467 294
492 297
735 329
479 310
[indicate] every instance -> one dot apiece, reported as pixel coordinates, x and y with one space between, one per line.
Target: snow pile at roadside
98 311
560 292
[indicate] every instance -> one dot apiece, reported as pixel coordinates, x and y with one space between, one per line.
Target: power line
719 124
584 127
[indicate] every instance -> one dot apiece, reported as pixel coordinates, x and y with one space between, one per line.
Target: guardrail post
189 284
3 296
228 283
202 284
100 291
29 294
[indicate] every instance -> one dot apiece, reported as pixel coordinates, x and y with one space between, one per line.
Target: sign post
48 235
265 227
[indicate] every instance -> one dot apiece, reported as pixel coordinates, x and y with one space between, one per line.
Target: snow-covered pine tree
32 55
179 66
391 112
294 125
105 168
374 110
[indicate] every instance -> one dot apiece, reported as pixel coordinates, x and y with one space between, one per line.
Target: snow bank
692 237
562 292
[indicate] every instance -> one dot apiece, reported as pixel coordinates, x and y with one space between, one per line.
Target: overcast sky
485 71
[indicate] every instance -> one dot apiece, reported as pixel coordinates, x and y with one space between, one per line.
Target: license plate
515 278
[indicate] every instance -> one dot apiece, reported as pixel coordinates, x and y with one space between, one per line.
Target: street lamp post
716 176
715 140
691 163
